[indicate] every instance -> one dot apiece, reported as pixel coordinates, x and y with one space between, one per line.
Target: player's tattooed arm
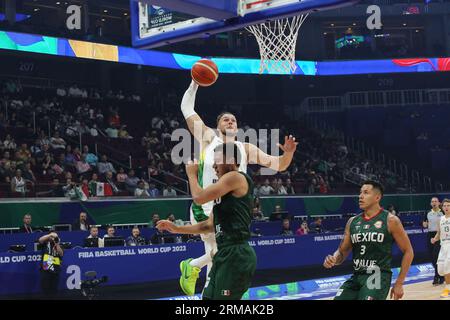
342 252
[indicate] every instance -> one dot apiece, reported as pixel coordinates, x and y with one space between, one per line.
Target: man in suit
82 223
26 227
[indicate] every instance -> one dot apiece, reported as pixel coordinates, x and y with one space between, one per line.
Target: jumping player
235 261
443 234
226 132
369 236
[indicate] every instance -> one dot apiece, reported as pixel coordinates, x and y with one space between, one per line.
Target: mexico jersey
371 242
207 175
445 231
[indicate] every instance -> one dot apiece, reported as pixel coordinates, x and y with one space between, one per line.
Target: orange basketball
204 72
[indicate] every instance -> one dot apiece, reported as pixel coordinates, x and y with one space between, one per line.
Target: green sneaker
189 276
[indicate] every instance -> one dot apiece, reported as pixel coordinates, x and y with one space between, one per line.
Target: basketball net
277 41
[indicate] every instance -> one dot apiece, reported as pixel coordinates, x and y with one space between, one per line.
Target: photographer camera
89 287
50 264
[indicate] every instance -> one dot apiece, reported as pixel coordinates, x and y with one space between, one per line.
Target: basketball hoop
277 40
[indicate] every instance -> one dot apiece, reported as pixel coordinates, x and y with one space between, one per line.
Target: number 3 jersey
371 243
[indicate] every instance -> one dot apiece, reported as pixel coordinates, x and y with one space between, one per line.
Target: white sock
210 244
201 261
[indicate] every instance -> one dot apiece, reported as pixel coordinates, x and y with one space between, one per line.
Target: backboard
179 20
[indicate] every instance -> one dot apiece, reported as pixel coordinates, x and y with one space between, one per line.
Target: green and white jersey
371 242
207 175
445 231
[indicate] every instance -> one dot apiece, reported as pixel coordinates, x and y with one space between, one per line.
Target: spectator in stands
61 92
75 92
56 190
177 222
135 239
24 154
155 219
257 214
104 165
289 187
169 192
18 184
112 132
121 176
28 173
141 191
280 188
123 133
57 143
51 260
9 143
93 185
265 189
91 158
303 229
131 181
153 191
109 178
286 229
36 147
82 166
81 224
68 189
110 232
316 226
26 227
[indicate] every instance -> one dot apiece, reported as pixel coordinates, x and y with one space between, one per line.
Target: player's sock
447 286
201 261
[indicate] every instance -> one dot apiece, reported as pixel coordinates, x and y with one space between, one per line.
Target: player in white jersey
227 130
443 234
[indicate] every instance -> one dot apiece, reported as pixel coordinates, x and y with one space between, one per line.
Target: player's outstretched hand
289 144
166 225
330 262
433 240
397 292
192 168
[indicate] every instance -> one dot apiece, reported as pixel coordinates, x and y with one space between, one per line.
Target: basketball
205 72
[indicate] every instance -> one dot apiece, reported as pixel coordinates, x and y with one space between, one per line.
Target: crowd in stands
48 148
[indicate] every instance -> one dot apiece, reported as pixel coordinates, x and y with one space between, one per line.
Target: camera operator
50 264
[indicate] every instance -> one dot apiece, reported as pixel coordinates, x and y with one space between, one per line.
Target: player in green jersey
370 236
234 263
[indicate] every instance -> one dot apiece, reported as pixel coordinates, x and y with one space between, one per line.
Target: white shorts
443 262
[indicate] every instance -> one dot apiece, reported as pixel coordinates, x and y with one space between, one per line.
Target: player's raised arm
195 124
277 163
342 252
401 238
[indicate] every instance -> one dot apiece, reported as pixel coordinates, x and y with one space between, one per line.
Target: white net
277 41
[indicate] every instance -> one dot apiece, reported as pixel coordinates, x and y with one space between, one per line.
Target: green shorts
231 274
360 287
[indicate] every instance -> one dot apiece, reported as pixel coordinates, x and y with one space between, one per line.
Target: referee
432 221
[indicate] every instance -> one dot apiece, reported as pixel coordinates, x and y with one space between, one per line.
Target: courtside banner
19 272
